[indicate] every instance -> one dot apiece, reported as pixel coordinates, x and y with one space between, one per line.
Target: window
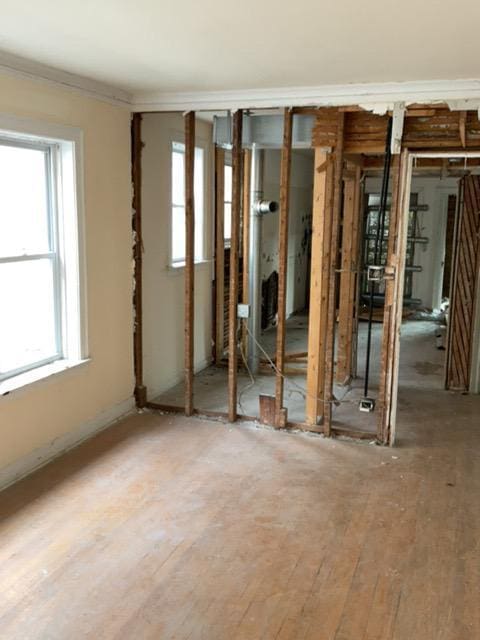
39 275
227 198
177 256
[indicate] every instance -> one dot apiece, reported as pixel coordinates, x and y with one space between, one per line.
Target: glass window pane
178 203
228 183
27 321
198 194
178 178
24 225
178 234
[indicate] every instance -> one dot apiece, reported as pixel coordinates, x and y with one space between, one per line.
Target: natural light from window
178 204
39 285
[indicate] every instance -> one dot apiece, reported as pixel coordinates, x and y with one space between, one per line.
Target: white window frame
200 215
65 146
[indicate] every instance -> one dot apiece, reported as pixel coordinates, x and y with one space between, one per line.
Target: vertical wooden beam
234 251
219 252
247 161
285 165
462 127
343 372
189 120
392 319
136 132
322 204
359 199
332 279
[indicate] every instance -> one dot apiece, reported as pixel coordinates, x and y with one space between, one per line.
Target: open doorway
438 346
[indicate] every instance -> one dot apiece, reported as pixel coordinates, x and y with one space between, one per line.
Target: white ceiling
187 45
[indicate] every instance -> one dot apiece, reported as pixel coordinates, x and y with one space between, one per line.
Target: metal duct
265 131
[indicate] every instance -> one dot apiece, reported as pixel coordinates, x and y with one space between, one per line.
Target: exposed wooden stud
398 227
136 132
332 279
219 252
189 120
359 197
348 277
398 119
322 202
234 254
462 122
285 166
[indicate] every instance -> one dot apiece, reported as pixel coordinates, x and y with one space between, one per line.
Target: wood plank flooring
166 527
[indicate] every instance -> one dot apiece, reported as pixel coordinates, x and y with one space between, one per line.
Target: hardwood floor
165 527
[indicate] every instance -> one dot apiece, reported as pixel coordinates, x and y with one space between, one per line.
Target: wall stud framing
285 166
234 255
348 278
321 219
392 319
140 389
189 120
332 278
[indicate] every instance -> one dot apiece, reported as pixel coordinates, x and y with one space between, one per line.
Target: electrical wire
298 388
252 377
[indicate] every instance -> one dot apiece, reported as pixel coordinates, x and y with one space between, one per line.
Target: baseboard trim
46 453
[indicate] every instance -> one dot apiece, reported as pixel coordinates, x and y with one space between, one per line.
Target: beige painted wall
163 286
52 411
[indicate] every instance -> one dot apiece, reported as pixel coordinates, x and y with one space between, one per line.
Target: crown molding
18 66
379 96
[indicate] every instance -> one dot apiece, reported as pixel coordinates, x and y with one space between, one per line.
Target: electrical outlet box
367 405
243 310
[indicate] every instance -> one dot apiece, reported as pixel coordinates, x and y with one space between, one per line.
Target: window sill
179 268
40 374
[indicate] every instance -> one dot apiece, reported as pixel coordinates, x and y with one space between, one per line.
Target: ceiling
187 45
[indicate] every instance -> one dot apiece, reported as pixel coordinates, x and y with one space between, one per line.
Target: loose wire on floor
298 388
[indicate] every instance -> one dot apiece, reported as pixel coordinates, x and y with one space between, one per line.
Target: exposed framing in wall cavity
345 141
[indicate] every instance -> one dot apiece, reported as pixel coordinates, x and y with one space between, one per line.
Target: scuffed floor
164 528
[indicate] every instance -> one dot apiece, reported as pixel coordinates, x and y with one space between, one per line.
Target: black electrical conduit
378 247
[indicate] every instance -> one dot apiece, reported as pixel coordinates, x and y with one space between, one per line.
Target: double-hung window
177 244
39 283
227 200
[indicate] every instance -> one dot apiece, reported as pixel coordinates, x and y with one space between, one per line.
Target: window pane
178 234
227 223
178 203
228 183
198 193
178 178
27 321
24 226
